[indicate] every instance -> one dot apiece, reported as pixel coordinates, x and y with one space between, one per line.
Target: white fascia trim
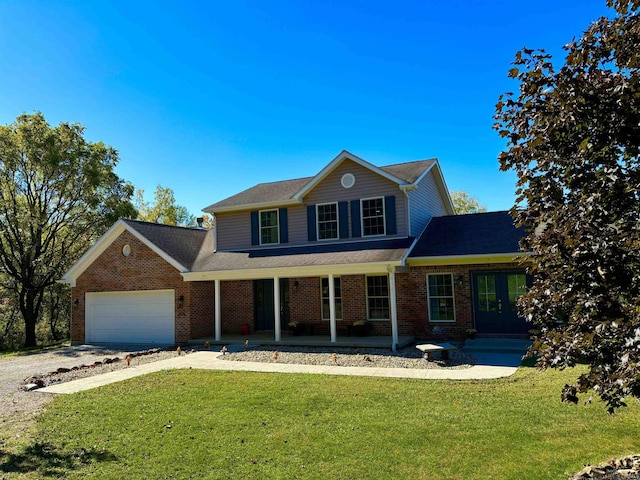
253 206
103 243
445 193
424 174
344 155
469 259
381 268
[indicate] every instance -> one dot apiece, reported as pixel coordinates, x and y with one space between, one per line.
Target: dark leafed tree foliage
58 192
573 138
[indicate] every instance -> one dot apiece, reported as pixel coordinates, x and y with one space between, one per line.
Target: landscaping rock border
108 364
626 468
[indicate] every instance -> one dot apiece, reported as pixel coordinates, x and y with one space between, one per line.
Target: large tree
58 192
573 138
465 203
164 208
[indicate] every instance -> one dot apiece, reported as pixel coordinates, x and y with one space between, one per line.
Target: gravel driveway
17 407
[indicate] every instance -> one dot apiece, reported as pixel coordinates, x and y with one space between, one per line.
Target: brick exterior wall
413 309
305 300
236 306
143 269
201 309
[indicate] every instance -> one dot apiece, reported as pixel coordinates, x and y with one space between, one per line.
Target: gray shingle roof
264 193
473 234
274 192
180 243
409 171
313 255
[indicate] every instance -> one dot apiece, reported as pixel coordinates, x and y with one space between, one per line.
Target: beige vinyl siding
234 228
425 202
298 225
368 184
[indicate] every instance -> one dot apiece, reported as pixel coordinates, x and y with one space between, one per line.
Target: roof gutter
470 259
252 206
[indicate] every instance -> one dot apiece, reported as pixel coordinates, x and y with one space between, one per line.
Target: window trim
453 297
388 297
337 237
384 217
260 227
335 298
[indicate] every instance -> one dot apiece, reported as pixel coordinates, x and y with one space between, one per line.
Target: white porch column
332 310
276 306
393 310
218 311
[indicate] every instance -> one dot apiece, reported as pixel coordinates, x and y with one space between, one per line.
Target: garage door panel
131 317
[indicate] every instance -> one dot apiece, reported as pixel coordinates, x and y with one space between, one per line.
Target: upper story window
372 216
269 227
327 218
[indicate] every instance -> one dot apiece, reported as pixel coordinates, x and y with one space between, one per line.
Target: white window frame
260 227
336 298
453 296
388 297
384 217
318 222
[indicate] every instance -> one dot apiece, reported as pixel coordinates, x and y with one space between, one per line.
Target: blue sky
210 98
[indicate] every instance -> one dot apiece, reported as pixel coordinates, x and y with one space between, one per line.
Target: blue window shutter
284 226
390 214
311 223
355 219
255 229
343 214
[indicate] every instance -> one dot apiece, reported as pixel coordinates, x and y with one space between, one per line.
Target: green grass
253 425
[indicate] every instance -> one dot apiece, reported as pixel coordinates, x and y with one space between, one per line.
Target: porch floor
306 340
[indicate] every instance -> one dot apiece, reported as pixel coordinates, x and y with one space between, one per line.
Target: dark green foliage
573 137
58 193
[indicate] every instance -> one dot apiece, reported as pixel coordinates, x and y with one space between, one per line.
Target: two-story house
354 243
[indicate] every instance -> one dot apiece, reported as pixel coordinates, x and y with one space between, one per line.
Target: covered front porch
265 338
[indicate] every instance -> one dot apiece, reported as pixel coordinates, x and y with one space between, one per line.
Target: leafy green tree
573 138
465 203
164 209
58 193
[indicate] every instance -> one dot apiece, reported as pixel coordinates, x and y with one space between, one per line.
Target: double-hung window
441 301
269 228
324 287
327 219
378 297
372 216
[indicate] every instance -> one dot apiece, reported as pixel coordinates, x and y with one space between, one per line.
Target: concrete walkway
487 368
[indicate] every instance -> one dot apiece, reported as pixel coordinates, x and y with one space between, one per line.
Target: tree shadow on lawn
49 460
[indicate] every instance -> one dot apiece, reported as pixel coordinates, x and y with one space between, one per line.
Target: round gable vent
348 180
126 250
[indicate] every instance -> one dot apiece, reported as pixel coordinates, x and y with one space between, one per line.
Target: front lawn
205 424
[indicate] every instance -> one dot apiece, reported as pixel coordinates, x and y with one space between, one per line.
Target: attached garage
146 316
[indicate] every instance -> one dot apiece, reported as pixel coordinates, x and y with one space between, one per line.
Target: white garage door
130 317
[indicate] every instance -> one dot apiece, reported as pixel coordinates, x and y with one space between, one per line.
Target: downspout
406 189
215 233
